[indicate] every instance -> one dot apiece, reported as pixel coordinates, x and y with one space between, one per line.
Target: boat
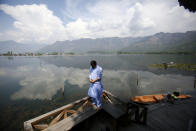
148 98
68 116
156 98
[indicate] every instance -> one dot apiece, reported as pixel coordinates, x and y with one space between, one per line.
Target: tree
188 4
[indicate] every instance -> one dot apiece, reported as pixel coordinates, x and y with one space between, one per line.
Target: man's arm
98 77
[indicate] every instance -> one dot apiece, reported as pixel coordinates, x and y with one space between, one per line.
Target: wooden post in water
63 90
137 79
165 66
195 82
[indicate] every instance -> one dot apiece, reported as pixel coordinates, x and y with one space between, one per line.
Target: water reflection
124 83
45 81
31 86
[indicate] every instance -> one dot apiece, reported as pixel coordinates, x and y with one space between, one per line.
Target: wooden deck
180 116
112 116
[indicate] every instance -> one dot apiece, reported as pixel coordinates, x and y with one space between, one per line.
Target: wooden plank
28 126
73 120
41 126
47 115
114 111
55 120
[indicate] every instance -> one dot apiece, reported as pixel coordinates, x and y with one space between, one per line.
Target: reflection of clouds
2 72
153 83
119 82
44 82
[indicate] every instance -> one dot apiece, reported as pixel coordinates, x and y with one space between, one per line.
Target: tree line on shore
10 53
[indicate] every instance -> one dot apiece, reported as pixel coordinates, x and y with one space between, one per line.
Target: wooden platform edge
115 97
28 126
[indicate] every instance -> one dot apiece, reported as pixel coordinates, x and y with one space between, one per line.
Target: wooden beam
108 99
55 120
82 106
88 104
71 111
108 93
41 126
65 114
51 113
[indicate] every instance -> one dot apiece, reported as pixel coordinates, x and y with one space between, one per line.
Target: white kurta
96 89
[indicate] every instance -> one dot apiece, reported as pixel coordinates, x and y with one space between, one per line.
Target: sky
48 21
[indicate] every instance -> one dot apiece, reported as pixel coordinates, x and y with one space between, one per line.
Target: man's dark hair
93 64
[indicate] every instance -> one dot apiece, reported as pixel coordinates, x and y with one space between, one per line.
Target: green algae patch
188 67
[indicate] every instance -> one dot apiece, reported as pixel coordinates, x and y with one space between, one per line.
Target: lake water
31 86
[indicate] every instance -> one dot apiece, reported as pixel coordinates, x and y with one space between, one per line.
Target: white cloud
164 16
33 24
106 18
95 19
78 29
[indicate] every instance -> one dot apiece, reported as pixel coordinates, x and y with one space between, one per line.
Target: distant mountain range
165 42
15 47
160 42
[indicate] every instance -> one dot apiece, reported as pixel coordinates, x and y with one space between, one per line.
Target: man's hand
93 81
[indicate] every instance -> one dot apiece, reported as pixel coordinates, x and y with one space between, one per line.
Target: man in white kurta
96 86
